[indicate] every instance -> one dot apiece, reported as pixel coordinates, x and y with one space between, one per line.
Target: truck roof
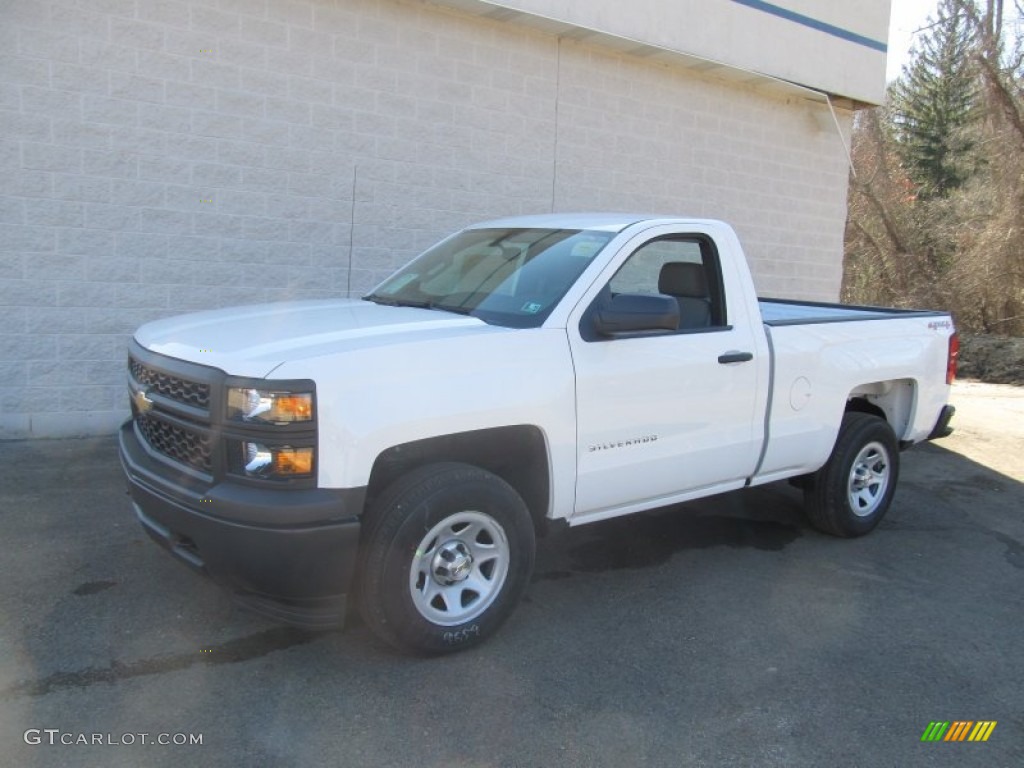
605 222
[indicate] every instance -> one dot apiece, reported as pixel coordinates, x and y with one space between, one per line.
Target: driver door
665 414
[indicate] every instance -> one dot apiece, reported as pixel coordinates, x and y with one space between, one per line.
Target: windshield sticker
532 307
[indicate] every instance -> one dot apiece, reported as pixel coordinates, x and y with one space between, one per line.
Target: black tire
447 553
850 495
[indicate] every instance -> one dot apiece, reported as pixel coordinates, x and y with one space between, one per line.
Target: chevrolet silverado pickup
400 452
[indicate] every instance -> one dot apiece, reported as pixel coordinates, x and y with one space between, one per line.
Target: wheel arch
518 454
893 401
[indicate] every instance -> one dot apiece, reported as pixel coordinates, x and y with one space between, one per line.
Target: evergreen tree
933 104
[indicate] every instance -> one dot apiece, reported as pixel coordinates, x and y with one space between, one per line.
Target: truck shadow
757 518
770 518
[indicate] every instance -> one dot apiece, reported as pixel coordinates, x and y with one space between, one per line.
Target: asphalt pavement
717 633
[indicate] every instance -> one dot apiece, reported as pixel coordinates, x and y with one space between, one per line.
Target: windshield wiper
451 308
390 301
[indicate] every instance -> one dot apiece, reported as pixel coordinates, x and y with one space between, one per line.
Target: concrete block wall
162 156
638 137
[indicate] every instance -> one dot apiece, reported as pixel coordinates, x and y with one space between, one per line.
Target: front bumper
289 554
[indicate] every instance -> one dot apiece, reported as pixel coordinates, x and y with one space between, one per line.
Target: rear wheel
448 554
851 494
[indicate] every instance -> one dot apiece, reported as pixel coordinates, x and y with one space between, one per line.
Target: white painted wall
160 157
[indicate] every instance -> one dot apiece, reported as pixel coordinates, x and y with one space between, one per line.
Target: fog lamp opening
276 462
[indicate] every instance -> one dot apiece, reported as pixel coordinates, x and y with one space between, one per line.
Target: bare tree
965 251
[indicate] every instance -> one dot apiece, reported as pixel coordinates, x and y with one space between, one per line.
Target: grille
181 390
182 445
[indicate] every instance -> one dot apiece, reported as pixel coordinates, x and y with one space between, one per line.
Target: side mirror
635 312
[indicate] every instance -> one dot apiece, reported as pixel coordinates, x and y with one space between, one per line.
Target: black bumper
288 554
942 428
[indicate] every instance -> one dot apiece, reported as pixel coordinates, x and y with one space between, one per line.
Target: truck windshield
510 277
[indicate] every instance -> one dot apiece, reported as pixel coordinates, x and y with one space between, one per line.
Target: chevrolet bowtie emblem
142 402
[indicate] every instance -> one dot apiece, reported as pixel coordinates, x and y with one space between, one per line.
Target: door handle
735 357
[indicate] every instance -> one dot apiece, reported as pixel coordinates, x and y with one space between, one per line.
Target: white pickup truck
402 450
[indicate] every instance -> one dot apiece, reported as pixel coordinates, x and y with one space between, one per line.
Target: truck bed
777 312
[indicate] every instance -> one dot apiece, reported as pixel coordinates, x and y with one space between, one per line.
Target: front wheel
448 554
851 494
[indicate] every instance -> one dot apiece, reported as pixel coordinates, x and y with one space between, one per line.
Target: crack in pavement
231 652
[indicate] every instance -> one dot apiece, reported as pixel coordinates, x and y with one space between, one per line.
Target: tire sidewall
857 434
401 533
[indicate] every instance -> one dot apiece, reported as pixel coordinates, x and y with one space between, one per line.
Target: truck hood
254 340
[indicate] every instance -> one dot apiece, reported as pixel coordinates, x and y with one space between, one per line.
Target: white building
162 156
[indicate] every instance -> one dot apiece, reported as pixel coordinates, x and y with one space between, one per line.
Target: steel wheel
446 555
851 493
459 568
869 479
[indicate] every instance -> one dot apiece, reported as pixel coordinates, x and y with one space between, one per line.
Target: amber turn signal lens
273 463
292 408
293 461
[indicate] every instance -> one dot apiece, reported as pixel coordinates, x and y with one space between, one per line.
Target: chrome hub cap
869 479
459 568
452 563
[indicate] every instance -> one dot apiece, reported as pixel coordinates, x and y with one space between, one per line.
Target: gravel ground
990 426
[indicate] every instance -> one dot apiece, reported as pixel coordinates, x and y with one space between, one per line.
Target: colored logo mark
959 730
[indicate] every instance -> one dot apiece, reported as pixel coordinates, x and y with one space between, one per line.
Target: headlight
269 407
276 461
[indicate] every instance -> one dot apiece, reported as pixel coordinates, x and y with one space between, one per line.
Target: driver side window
684 268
